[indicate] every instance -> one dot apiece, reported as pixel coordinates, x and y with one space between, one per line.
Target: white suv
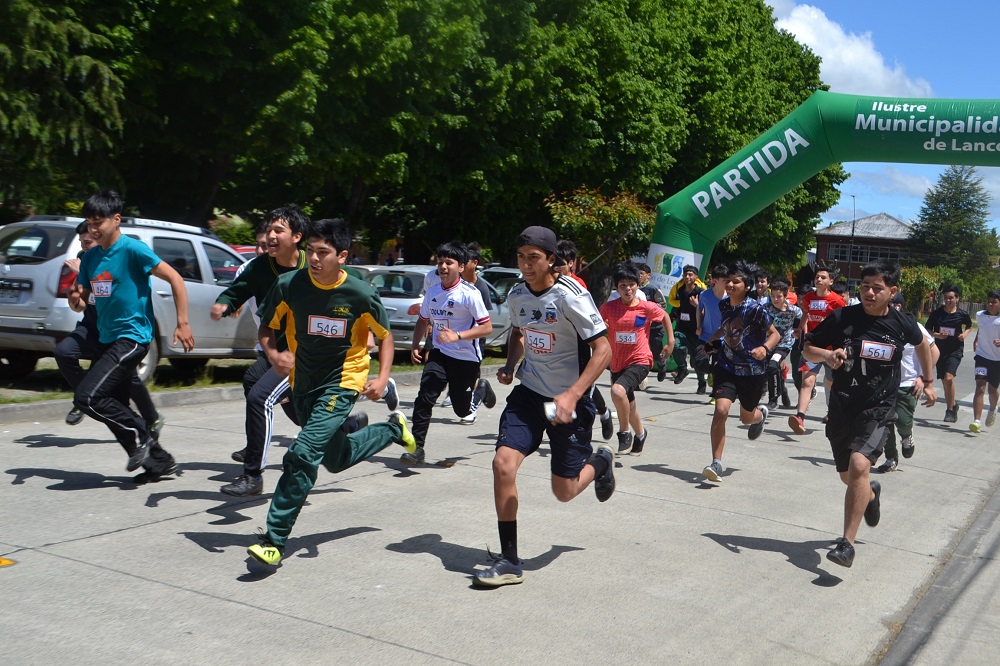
34 285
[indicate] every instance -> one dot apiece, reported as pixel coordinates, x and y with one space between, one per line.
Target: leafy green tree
952 228
921 285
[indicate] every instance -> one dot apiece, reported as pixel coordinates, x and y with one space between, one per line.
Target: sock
607 415
801 415
717 460
599 464
508 539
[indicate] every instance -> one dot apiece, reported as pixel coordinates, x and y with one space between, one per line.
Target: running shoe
75 416
607 425
713 472
758 427
156 426
991 418
391 395
908 446
265 552
139 456
406 437
447 401
624 443
661 372
238 456
643 385
503 572
638 443
681 374
951 415
244 485
797 425
604 485
975 426
485 394
702 388
772 404
843 554
470 418
889 465
874 511
154 475
415 458
354 422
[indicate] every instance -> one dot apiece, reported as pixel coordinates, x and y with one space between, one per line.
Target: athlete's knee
562 491
504 465
618 391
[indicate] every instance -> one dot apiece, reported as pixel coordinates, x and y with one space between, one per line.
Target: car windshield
504 284
34 244
397 285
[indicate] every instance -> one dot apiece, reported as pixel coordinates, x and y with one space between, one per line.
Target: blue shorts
523 423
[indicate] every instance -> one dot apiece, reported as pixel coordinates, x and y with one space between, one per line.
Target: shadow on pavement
683 474
71 480
462 559
230 508
45 440
816 462
803 554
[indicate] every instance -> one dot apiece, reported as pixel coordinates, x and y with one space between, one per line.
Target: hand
918 388
759 353
505 376
836 358
996 343
184 335
217 312
76 303
929 396
73 265
565 406
417 355
667 350
446 336
374 389
282 362
693 300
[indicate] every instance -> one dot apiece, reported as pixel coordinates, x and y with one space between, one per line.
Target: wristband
459 335
925 380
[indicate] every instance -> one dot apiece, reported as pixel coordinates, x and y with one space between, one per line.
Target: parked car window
34 245
396 285
224 264
180 255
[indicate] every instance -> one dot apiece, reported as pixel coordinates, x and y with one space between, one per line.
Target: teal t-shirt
118 279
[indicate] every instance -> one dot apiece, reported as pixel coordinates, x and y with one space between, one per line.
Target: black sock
599 464
801 415
508 539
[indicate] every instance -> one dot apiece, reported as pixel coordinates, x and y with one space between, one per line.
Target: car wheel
16 364
147 366
189 366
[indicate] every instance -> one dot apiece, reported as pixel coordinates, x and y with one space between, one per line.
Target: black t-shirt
685 312
874 346
952 323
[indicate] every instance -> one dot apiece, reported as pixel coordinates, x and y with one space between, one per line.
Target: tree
952 228
920 285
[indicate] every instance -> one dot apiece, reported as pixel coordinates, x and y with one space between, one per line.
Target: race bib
685 316
539 342
817 305
626 337
880 351
100 288
327 327
947 330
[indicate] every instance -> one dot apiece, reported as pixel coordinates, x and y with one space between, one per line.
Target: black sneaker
604 485
951 415
139 456
638 443
391 395
74 417
758 427
843 554
874 511
154 475
484 394
244 485
238 456
624 443
889 465
503 572
773 404
661 372
354 422
156 426
702 388
607 425
908 447
681 374
415 458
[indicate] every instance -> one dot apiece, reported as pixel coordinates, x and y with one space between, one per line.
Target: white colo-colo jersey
989 330
557 326
459 307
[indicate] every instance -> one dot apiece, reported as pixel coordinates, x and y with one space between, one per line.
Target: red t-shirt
817 308
628 330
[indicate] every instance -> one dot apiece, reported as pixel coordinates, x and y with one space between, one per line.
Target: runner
327 314
786 319
117 273
816 306
685 304
763 288
950 325
555 321
709 316
454 312
864 346
987 348
471 275
629 321
748 339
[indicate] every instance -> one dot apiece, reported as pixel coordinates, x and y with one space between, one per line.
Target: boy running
561 335
748 339
629 321
117 273
685 304
786 319
709 317
454 312
816 306
950 325
327 315
864 346
987 358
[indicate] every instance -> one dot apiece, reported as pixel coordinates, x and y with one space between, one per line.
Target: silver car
35 283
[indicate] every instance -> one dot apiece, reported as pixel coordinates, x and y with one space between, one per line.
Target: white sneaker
446 402
469 418
991 418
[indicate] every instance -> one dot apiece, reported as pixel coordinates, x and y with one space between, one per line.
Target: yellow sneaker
265 552
406 439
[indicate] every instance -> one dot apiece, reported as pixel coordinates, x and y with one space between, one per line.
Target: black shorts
864 431
629 378
987 370
948 363
523 423
747 389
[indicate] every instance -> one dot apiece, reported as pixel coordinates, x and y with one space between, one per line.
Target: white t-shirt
459 308
909 368
989 330
251 302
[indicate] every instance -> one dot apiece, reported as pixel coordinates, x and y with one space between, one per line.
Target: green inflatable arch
827 128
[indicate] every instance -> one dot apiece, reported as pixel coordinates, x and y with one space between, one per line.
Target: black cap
543 238
897 298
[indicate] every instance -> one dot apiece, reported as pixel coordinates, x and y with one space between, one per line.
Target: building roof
880 225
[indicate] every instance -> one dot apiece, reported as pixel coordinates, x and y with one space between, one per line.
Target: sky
891 48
